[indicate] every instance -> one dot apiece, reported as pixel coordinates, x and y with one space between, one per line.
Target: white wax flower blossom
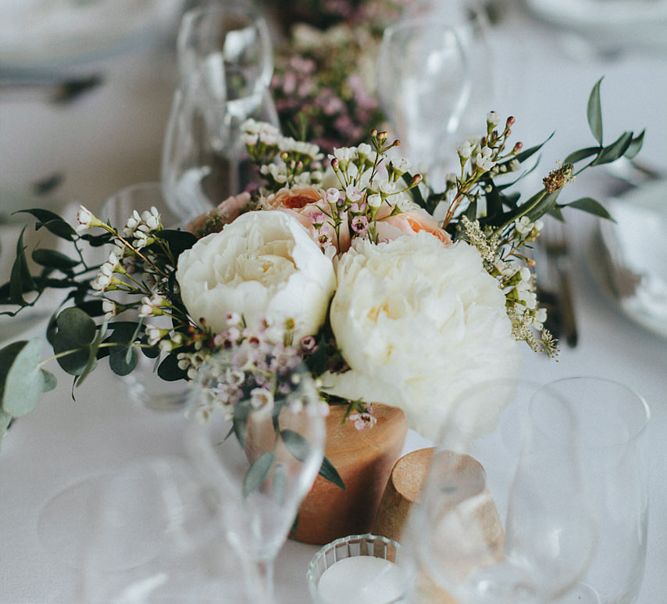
364 150
375 200
109 308
85 219
345 154
524 225
265 266
492 118
465 150
419 322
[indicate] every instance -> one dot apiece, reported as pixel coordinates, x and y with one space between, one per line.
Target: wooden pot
364 460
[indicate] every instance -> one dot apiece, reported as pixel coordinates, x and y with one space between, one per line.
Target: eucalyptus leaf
635 146
54 259
279 484
50 381
595 112
21 379
614 151
169 369
74 332
5 420
123 360
576 156
296 444
51 222
587 204
329 472
21 280
179 241
257 473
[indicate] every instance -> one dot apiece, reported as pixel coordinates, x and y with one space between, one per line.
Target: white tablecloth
112 138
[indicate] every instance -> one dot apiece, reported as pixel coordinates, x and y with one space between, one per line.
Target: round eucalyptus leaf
122 360
54 259
74 331
50 381
24 381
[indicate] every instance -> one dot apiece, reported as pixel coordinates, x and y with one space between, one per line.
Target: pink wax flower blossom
364 420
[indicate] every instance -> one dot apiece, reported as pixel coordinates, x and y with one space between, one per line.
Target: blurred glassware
424 86
261 455
225 64
143 384
502 519
157 537
629 264
40 35
611 420
605 27
470 19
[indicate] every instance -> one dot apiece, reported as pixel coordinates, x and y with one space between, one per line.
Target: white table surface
112 137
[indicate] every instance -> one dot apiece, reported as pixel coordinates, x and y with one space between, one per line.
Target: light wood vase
364 460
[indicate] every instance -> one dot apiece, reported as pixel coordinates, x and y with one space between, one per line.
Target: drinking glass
201 157
424 86
612 421
502 519
225 64
158 538
470 20
260 453
143 384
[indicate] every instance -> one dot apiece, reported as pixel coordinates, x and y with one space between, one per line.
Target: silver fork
555 244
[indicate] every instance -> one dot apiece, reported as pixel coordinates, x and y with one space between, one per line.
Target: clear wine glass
612 420
424 86
502 519
469 18
157 539
225 63
143 384
259 442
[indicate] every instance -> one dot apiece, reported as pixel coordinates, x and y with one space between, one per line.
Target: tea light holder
373 578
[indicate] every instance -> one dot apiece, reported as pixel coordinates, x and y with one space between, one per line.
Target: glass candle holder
358 568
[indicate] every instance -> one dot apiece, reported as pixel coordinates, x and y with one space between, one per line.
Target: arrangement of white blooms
384 289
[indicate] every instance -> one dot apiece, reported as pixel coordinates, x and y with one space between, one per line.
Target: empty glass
424 86
225 64
158 538
502 518
611 420
260 451
470 20
143 384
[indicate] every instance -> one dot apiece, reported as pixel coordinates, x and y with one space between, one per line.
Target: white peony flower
264 266
419 323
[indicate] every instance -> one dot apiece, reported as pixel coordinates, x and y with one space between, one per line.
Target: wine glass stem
265 576
234 177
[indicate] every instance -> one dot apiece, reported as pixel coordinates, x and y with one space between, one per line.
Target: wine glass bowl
423 85
502 519
258 440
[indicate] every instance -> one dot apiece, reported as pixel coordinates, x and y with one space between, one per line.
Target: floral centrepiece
386 290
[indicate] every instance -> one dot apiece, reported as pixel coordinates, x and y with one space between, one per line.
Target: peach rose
309 206
227 212
296 198
410 223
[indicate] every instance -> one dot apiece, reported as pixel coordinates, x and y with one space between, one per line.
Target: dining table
112 136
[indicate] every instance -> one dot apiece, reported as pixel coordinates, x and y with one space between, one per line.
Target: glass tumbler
612 420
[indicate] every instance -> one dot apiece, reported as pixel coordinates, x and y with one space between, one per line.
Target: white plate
629 258
46 33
